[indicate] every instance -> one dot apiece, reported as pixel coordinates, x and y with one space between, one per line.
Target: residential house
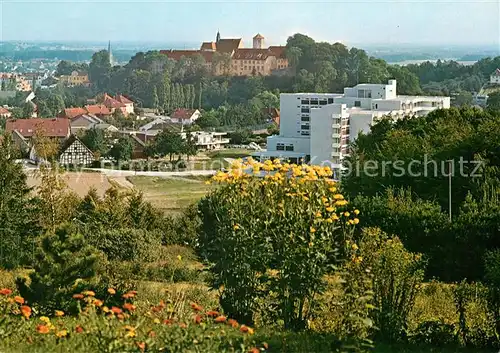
113 104
208 140
253 62
129 105
71 113
495 77
4 113
74 152
76 78
99 110
272 114
156 124
185 116
84 122
138 147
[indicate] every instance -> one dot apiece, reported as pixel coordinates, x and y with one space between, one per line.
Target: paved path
125 173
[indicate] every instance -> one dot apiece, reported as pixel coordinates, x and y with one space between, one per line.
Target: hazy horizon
388 23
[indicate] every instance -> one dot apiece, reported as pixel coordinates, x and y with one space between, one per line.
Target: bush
127 244
280 234
492 276
435 333
65 265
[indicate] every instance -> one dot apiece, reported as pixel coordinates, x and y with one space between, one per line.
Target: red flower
220 319
196 307
233 323
77 296
19 300
212 313
168 322
197 319
116 310
246 329
151 334
128 306
26 311
5 291
43 329
78 329
141 345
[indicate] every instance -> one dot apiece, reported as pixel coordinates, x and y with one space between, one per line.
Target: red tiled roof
110 102
278 51
55 127
178 54
251 54
183 113
3 111
228 45
97 109
71 113
208 46
122 99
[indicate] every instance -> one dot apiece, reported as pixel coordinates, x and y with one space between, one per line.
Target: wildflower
179 257
78 329
89 293
129 307
59 313
329 220
5 291
318 214
246 329
236 227
77 296
355 220
26 311
232 323
220 319
130 331
212 313
254 350
332 189
62 333
167 322
312 230
45 319
129 295
98 302
116 310
111 291
356 212
196 307
338 197
182 325
266 345
141 345
354 247
43 329
330 209
19 300
197 319
347 214
156 320
152 334
105 309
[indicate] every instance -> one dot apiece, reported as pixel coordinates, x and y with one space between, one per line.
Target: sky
366 22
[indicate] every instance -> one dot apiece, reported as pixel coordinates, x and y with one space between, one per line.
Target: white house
495 77
208 140
185 116
318 127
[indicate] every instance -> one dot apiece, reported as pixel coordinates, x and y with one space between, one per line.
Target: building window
322 102
305 110
304 127
335 131
357 103
289 148
336 121
280 147
336 140
304 133
305 101
304 118
314 101
330 100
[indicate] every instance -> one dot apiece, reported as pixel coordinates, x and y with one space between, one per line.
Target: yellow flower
356 212
329 220
62 333
179 257
356 221
354 247
236 227
59 313
312 230
45 319
347 214
333 189
156 321
330 209
338 197
318 214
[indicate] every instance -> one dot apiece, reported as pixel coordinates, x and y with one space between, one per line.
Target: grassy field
173 194
230 153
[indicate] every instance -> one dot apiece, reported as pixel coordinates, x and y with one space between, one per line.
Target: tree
265 99
168 143
28 110
166 98
95 140
121 150
64 68
493 102
17 113
463 98
189 147
208 120
156 102
100 69
293 55
18 210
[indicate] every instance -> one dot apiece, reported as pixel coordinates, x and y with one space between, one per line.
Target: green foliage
435 333
95 140
65 264
18 210
121 150
493 102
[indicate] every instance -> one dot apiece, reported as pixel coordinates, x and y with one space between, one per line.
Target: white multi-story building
318 127
495 77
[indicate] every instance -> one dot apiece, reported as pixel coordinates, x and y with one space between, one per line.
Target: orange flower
196 307
89 293
246 329
26 311
167 322
182 325
254 350
141 345
220 319
233 323
77 296
116 310
111 291
151 334
19 300
197 319
43 329
212 313
78 329
98 302
120 317
129 295
59 313
129 306
5 291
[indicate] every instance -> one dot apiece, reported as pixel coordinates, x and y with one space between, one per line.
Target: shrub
492 276
436 333
65 265
397 276
281 234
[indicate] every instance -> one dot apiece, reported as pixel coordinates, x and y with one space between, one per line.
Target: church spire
217 38
110 54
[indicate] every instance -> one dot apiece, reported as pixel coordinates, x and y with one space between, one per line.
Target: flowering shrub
126 328
279 233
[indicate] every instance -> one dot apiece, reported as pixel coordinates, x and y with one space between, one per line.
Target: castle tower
258 41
